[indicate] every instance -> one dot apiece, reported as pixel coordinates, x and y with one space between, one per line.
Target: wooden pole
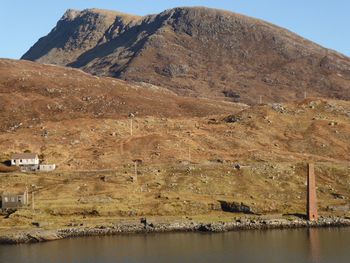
130 127
27 196
33 206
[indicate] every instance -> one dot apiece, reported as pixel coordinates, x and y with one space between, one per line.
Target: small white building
47 167
26 160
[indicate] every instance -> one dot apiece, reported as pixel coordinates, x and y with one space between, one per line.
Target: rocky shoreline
38 235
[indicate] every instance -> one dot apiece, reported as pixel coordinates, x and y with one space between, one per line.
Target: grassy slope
90 139
272 146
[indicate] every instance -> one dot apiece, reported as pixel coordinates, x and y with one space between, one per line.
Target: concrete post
312 214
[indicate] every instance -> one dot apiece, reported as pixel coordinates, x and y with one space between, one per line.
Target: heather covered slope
72 116
32 93
187 164
188 150
81 122
198 52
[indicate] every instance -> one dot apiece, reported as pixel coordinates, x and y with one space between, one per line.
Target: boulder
232 119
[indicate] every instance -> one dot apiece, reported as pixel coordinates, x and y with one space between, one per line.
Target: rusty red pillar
311 194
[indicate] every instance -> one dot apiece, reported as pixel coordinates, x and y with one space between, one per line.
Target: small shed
47 167
14 200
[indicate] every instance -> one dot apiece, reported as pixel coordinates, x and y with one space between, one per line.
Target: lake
300 245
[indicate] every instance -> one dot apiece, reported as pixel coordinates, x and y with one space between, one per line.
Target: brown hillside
198 52
68 115
32 93
188 147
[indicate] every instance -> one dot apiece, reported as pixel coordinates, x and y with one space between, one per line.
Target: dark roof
24 156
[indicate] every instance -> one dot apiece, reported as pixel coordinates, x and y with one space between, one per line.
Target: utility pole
305 95
33 206
131 116
260 99
130 127
27 197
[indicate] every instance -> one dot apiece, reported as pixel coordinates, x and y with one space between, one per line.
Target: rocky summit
197 52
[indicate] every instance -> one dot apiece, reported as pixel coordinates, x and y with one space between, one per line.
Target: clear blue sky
327 22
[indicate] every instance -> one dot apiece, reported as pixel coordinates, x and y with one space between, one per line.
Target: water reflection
271 246
314 244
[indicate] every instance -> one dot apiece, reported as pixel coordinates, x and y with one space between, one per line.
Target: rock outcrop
236 207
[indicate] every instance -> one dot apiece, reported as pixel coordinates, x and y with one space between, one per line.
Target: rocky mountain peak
197 51
70 14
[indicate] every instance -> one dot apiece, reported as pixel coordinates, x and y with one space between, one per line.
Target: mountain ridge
197 51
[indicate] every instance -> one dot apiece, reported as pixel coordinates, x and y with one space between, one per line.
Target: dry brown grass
7 169
314 130
176 191
41 93
187 154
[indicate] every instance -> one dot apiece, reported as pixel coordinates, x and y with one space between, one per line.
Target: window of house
20 160
12 199
6 199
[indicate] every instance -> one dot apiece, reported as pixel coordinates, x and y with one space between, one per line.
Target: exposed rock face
235 207
198 52
76 33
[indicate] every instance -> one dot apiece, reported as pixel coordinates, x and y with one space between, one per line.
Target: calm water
324 245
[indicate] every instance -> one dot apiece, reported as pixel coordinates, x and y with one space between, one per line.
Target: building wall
29 168
13 201
47 167
19 162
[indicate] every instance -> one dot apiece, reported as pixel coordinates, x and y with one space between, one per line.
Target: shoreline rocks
35 236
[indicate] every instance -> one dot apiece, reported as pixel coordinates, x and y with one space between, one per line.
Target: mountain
198 52
76 33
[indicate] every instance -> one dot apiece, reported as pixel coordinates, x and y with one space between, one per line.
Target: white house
30 160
